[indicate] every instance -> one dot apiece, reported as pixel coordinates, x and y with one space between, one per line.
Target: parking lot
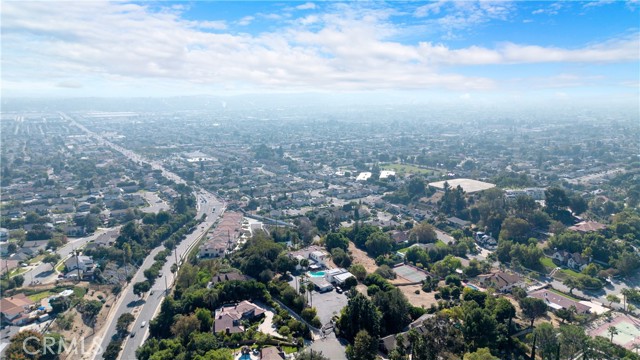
327 304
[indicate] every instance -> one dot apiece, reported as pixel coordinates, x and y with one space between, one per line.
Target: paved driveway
330 347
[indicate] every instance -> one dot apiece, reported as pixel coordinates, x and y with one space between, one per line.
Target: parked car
144 323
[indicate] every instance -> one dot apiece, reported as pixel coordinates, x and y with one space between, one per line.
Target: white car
144 323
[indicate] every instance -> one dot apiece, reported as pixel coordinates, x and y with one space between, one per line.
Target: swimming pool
316 273
472 287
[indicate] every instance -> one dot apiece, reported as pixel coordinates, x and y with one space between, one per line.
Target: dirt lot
78 327
361 257
422 299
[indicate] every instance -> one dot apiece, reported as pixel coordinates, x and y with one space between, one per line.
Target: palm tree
612 331
625 293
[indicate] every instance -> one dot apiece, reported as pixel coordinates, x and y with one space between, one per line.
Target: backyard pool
316 273
472 286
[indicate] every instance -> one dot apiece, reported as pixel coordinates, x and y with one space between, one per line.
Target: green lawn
40 295
36 259
570 272
548 263
404 250
440 244
17 271
289 349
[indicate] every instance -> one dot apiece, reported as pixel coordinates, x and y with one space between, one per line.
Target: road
151 304
144 309
45 273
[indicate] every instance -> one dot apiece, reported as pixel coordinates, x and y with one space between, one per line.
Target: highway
144 309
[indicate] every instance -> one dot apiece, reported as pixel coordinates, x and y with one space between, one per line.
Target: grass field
40 295
548 263
570 272
409 169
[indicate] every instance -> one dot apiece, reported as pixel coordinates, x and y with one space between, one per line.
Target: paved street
45 274
145 308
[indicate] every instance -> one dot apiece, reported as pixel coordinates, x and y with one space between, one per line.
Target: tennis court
628 331
412 274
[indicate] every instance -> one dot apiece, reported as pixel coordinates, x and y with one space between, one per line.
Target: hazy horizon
498 53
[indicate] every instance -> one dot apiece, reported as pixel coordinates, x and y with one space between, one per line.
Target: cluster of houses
19 310
314 258
224 237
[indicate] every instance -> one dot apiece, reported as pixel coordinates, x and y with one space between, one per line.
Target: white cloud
597 3
214 25
552 9
306 6
246 20
347 49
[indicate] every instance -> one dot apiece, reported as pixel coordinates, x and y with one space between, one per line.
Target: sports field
410 273
628 331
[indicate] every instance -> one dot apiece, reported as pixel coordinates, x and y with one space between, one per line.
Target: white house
84 263
319 257
331 274
341 278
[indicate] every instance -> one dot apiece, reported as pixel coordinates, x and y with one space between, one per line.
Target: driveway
327 304
330 347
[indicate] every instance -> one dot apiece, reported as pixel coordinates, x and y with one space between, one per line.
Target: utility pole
77 264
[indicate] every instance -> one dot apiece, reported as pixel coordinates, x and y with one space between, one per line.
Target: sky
464 50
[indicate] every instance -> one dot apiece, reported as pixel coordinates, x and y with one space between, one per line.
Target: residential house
319 256
587 227
228 318
458 223
485 240
556 301
74 231
232 276
399 236
574 261
84 263
271 353
501 281
15 309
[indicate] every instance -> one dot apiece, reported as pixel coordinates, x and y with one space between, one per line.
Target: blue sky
452 49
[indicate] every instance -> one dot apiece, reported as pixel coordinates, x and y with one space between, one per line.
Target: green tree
613 331
515 229
341 258
365 347
533 308
359 314
122 325
336 240
547 340
184 325
395 308
140 288
480 354
612 298
358 271
51 259
205 318
423 233
378 243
